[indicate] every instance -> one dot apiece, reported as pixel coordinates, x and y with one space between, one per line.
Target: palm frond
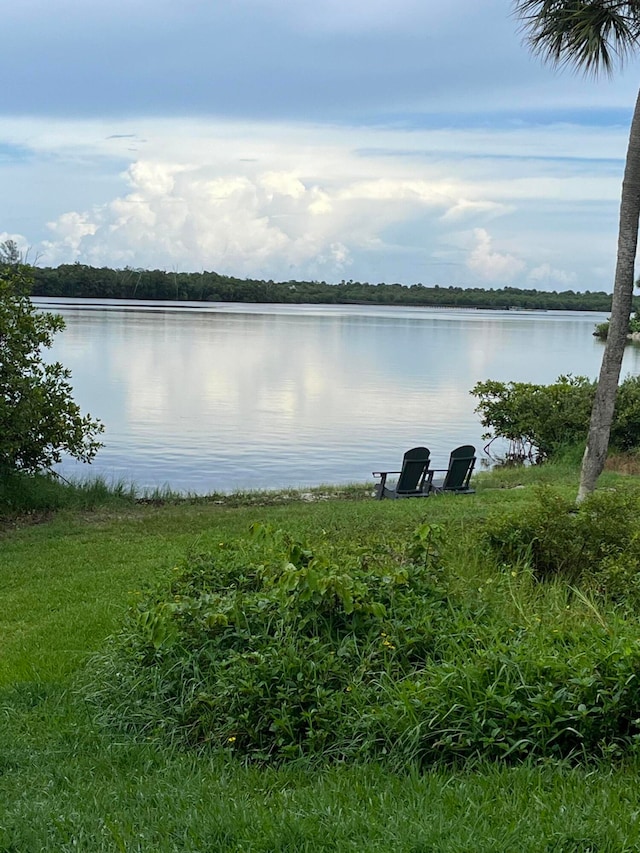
590 35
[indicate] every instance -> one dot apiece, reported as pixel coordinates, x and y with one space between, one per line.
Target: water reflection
266 396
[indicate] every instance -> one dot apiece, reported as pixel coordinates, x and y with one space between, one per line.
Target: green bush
541 692
536 419
39 420
625 430
602 329
272 650
555 538
541 421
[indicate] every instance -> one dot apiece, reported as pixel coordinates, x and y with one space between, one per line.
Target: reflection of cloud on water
316 383
277 390
148 398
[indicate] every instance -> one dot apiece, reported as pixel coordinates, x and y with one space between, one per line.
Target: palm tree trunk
595 453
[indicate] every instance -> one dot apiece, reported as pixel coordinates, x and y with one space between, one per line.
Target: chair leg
380 487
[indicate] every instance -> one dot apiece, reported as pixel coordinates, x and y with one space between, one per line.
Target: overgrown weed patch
426 649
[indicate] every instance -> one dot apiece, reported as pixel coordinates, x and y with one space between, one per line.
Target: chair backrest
415 463
461 464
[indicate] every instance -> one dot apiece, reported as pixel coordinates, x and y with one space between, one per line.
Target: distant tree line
78 280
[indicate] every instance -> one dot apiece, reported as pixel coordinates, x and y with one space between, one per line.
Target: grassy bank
67 783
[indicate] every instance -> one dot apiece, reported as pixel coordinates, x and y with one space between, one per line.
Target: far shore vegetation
84 282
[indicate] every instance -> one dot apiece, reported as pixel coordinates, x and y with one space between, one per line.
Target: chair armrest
384 473
428 485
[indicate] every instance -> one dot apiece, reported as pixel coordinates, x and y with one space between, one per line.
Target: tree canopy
39 420
86 282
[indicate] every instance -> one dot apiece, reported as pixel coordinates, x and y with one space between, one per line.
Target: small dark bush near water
273 650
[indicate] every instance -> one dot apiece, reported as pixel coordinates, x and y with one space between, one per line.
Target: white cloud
260 223
492 266
277 200
191 219
464 208
70 230
282 183
546 274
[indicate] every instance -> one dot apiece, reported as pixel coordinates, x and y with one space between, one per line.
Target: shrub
602 329
625 429
541 421
541 692
536 419
554 538
272 650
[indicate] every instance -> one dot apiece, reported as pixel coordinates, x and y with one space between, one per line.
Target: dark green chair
457 475
412 479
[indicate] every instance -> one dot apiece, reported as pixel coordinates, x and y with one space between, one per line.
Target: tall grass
34 494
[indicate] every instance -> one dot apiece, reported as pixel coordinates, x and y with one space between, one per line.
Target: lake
219 396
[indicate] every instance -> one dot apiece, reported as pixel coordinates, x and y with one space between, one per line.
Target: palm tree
591 35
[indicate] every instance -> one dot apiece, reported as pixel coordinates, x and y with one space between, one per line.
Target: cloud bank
383 141
288 201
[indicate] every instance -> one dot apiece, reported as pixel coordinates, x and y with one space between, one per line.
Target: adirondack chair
457 475
412 477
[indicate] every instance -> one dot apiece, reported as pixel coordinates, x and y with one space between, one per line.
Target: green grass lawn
67 784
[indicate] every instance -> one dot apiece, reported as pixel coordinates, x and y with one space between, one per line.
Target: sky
383 141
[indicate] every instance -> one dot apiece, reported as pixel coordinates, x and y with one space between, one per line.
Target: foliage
625 430
271 649
274 650
589 35
602 329
79 280
554 538
23 494
536 419
634 323
540 421
38 418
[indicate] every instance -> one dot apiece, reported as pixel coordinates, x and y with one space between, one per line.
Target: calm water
223 397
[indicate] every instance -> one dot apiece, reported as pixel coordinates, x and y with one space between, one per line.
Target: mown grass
67 784
64 787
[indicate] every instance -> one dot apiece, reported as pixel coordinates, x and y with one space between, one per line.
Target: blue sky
392 140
